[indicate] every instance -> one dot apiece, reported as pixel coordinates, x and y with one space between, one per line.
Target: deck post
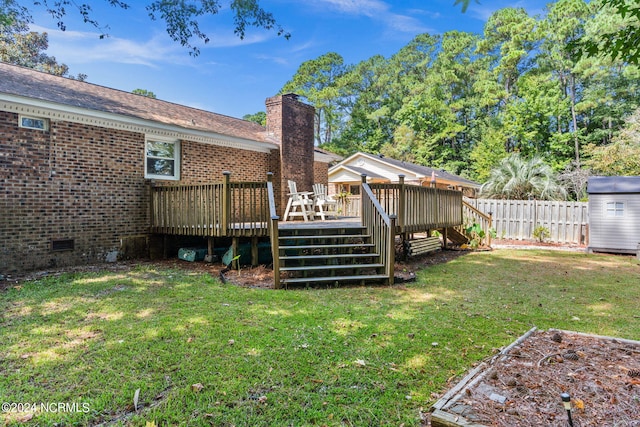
402 200
235 263
444 238
363 178
401 204
489 229
210 244
226 204
165 249
391 249
150 194
254 251
275 252
273 232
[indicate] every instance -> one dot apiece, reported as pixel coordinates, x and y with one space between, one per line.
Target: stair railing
381 227
274 232
473 215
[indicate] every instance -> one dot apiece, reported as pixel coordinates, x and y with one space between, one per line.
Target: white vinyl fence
567 222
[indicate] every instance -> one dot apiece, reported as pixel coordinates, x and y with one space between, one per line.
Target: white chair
299 200
326 205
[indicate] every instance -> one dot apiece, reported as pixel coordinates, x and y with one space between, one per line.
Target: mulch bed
522 386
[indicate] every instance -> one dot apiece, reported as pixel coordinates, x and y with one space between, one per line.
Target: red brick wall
71 182
321 173
87 183
203 163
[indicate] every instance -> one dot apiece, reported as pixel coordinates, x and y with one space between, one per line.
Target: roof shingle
25 82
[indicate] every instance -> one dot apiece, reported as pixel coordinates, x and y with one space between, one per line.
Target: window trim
176 158
45 122
612 212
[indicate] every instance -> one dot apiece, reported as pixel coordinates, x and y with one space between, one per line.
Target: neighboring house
346 175
614 214
77 161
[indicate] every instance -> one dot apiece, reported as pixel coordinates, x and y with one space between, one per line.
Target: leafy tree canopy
181 17
144 92
618 41
25 48
621 40
622 156
260 118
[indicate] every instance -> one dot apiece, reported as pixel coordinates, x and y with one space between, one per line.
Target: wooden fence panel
516 219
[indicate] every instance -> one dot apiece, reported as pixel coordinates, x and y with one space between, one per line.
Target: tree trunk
572 82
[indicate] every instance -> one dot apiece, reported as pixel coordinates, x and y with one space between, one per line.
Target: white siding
614 233
381 169
344 176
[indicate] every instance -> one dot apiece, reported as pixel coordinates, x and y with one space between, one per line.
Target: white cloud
272 58
405 24
379 11
81 47
369 8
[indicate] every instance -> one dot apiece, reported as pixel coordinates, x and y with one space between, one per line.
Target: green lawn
204 353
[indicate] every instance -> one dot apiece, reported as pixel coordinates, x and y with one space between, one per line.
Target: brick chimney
291 123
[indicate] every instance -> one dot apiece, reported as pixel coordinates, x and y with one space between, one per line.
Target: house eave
52 111
321 157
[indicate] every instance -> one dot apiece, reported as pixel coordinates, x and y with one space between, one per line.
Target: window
614 209
162 160
33 123
354 190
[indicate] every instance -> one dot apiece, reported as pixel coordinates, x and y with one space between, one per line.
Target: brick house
77 160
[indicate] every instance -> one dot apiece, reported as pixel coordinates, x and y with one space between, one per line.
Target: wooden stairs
456 236
329 256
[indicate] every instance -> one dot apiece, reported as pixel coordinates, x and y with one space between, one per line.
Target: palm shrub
519 178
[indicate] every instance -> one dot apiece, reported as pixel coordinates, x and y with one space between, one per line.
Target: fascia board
50 110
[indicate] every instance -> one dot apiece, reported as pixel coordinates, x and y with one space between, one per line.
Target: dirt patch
262 276
523 386
253 277
535 244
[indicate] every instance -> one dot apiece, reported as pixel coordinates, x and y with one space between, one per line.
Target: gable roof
357 171
24 85
613 184
411 168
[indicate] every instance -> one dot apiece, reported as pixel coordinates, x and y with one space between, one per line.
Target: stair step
330 267
303 257
339 246
319 226
325 236
335 278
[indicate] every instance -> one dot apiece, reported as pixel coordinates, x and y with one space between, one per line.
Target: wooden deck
248 210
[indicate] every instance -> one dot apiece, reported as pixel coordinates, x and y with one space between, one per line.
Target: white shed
614 214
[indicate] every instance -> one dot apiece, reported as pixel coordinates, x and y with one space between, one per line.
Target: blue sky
233 76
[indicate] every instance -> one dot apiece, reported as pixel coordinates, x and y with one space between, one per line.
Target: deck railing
381 227
420 208
223 209
274 234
